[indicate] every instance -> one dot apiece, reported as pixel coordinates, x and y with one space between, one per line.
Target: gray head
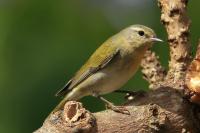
139 35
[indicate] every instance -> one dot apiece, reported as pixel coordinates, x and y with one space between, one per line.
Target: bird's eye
141 33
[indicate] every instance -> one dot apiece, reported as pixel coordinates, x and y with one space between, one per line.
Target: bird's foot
118 109
109 105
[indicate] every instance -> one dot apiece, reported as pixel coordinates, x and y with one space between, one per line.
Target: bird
110 67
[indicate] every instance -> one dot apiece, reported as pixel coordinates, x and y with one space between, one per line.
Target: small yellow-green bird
110 66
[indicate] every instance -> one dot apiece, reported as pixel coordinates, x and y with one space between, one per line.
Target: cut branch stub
176 22
72 119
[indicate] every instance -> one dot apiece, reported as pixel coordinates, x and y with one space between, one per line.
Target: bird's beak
156 39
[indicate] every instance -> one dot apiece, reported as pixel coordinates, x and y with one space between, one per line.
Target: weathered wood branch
193 77
174 18
162 110
152 70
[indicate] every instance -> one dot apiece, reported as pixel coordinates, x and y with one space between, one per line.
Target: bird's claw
118 109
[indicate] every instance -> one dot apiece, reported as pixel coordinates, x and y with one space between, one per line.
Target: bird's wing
96 62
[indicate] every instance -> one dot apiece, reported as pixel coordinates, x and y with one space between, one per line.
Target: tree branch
176 22
152 70
162 110
193 77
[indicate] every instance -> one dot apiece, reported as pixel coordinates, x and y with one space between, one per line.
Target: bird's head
139 36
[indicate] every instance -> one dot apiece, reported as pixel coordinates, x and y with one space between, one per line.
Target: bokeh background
43 43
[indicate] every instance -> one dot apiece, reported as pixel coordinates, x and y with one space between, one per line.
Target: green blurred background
43 43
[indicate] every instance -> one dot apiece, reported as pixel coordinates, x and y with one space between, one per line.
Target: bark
152 70
174 18
164 108
193 77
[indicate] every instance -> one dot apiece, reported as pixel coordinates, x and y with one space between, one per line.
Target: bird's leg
109 105
130 94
